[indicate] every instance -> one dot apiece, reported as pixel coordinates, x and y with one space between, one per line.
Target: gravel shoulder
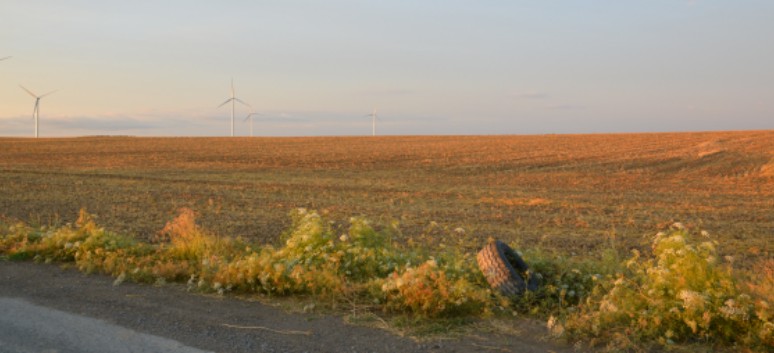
227 324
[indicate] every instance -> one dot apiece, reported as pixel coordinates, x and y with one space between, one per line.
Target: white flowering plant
680 293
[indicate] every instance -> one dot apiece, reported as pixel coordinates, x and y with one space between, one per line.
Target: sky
430 67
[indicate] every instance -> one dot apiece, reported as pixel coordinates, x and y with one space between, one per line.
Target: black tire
504 269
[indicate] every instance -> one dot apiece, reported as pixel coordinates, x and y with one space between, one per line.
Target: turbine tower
373 122
250 116
36 110
233 99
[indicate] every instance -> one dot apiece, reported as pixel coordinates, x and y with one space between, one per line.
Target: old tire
504 269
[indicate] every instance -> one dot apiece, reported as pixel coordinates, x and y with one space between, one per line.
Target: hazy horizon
431 68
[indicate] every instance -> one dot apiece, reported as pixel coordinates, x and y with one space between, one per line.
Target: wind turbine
36 110
373 122
232 100
250 116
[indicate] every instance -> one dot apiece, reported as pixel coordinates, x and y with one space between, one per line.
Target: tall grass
682 293
679 292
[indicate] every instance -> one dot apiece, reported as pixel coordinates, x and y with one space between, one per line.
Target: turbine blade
224 103
54 91
28 91
7 57
243 102
251 114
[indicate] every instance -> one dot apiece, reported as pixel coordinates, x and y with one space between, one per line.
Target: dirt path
222 324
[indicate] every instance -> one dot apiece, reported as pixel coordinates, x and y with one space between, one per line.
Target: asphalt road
26 327
44 308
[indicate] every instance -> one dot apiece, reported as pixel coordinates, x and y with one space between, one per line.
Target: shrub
188 242
680 294
431 290
367 253
15 239
761 288
313 260
565 280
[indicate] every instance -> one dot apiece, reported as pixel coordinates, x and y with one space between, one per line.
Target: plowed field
573 193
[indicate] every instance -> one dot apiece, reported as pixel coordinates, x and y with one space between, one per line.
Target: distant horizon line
385 135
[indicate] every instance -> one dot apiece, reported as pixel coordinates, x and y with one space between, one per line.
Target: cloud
101 123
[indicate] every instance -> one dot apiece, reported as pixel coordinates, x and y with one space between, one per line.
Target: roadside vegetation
677 293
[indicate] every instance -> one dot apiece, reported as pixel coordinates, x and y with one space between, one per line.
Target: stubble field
570 193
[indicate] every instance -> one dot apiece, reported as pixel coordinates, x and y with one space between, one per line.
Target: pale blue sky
153 68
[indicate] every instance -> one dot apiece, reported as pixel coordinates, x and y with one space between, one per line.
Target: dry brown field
570 193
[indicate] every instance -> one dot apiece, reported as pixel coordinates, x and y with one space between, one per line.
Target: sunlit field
668 235
567 192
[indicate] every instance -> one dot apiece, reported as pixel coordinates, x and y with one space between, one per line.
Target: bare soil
227 324
570 193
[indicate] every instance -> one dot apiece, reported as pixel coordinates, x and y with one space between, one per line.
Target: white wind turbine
233 99
250 116
36 110
373 122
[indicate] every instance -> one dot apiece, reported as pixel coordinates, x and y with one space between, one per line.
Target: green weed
681 292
